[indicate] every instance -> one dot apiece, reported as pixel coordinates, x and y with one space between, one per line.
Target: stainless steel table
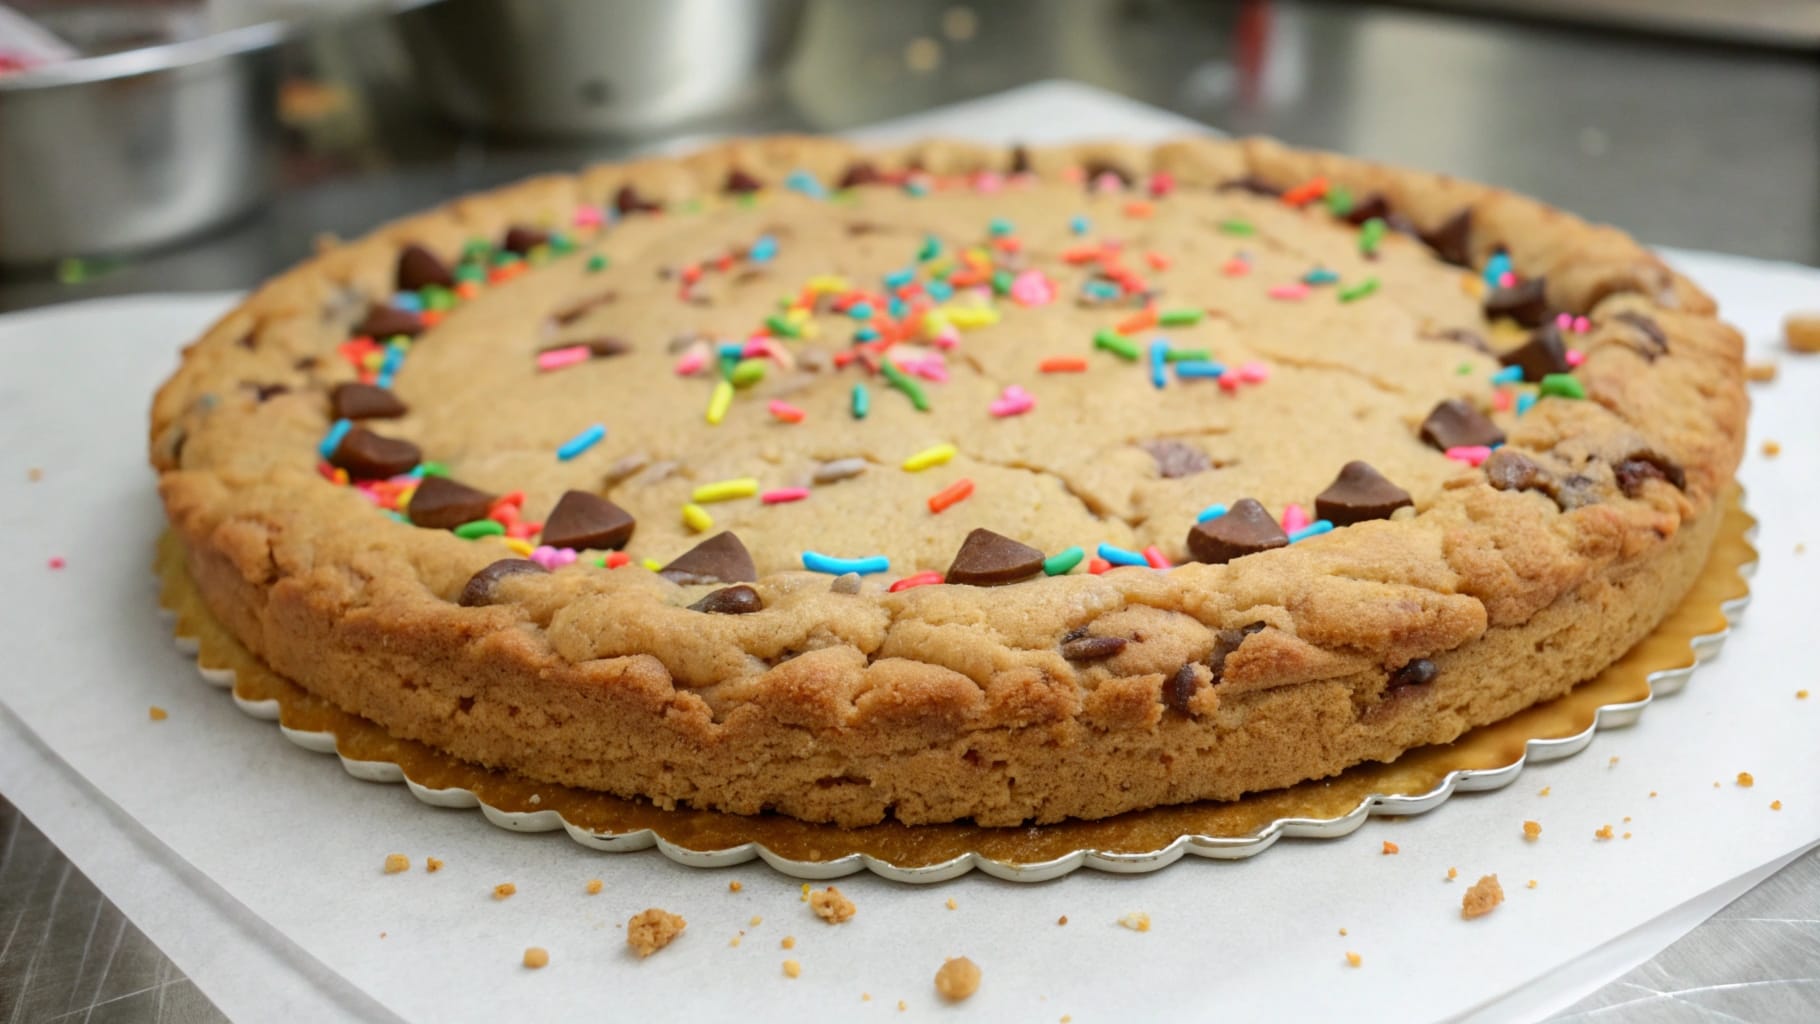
1682 143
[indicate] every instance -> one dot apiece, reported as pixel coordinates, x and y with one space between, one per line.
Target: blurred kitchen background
157 145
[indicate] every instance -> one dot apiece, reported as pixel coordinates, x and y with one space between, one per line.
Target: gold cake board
1486 758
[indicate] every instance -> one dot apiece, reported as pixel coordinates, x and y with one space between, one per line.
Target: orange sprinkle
1059 364
430 317
1307 192
1139 321
1080 254
1139 209
467 289
953 494
1157 260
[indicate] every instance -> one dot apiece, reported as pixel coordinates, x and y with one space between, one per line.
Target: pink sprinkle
1507 280
1501 399
1229 382
589 217
988 182
1254 372
1472 454
1582 325
57 563
784 495
1073 174
1294 518
1031 288
552 558
1565 321
1161 184
557 358
931 369
1292 292
691 361
1575 357
1011 406
1108 182
948 337
779 354
754 347
1236 267
1156 559
785 411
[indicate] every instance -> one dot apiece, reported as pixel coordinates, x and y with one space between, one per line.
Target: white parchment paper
258 866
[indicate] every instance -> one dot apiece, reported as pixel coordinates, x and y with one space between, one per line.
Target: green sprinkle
1109 340
1339 200
600 561
692 206
1062 562
781 327
1001 282
596 263
1188 355
505 257
476 249
471 272
862 401
560 243
434 469
1370 234
905 383
1463 369
931 248
1562 385
480 528
1237 227
1179 317
1358 291
437 297
748 200
747 372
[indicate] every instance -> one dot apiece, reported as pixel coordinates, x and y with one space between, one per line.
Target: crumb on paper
1760 372
1353 959
865 997
1137 921
503 890
396 862
1775 805
734 886
432 864
1652 794
1800 694
957 979
1627 819
536 956
789 942
923 55
959 23
831 905
792 969
34 474
1482 898
1746 780
1627 835
1453 873
756 921
1544 790
951 905
382 935
805 898
594 886
1532 883
1390 848
1603 833
902 1006
57 563
1802 331
652 929
1342 933
1063 920
1532 830
158 714
1771 449
734 941
1613 763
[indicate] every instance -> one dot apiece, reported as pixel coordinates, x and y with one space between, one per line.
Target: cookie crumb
1342 933
1390 848
382 935
789 942
594 886
734 941
1746 780
805 898
792 969
432 864
1482 898
1532 883
1627 819
1802 331
1353 959
34 474
1760 373
536 957
957 979
923 55
1453 873
652 929
756 921
1800 694
960 23
1063 920
951 904
831 905
1775 805
1603 833
1544 790
503 890
1652 794
1532 830
1771 449
1627 835
865 997
158 714
734 886
1137 921
396 862
902 1006
1613 763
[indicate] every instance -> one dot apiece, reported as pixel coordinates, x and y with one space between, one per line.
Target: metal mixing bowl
567 68
137 148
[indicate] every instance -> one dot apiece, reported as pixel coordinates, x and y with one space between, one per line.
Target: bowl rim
147 60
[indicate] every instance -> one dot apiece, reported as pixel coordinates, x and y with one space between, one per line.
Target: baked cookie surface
954 482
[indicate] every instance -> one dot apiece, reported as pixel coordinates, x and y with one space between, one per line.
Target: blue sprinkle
1192 368
763 250
804 182
1314 529
1508 375
899 278
410 302
384 379
916 187
1524 401
332 440
1119 556
1496 268
1320 275
1210 512
731 350
581 442
860 311
1159 365
866 333
1000 227
400 516
1078 224
815 561
940 291
898 309
394 357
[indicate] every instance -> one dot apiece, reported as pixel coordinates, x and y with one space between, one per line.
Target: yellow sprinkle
697 518
928 457
940 265
652 564
519 546
721 400
826 283
797 315
965 317
726 490
933 323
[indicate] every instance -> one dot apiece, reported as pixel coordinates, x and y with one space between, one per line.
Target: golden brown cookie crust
950 702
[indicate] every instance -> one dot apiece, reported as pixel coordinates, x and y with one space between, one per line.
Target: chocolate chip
585 521
1452 241
1359 493
1176 459
1543 354
481 587
1245 529
369 456
604 348
365 402
988 559
741 183
1455 424
739 600
1179 689
1419 672
1508 470
1092 648
1020 159
266 392
1225 643
1526 302
569 314
627 201
1646 465
386 322
305 364
440 503
248 341
719 559
1655 338
1461 336
860 172
1577 491
1097 169
521 239
419 268
1252 184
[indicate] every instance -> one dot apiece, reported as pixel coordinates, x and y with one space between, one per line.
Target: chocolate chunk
1452 241
1176 459
1455 424
1359 493
1092 648
481 586
1368 208
1097 169
741 183
521 239
1648 465
419 268
1577 491
368 456
738 600
1225 643
1020 159
440 503
1461 336
627 201
603 348
1179 689
1245 529
1526 302
1507 470
719 559
248 341
385 322
569 314
988 559
586 521
860 172
1419 672
1654 337
1541 355
266 392
1252 184
365 402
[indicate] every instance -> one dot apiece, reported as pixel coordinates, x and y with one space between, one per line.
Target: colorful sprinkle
719 401
1237 227
928 457
557 358
1314 529
1472 454
815 561
1110 341
1320 275
479 528
1294 518
1180 317
1497 267
784 495
1353 293
1525 402
1078 225
1197 368
1098 565
785 412
1307 192
1563 385
1013 401
922 579
1210 512
1063 562
862 401
1371 235
1289 292
581 442
697 518
950 495
332 440
1159 364
1575 357
1120 556
1508 375
725 490
746 373
1154 557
